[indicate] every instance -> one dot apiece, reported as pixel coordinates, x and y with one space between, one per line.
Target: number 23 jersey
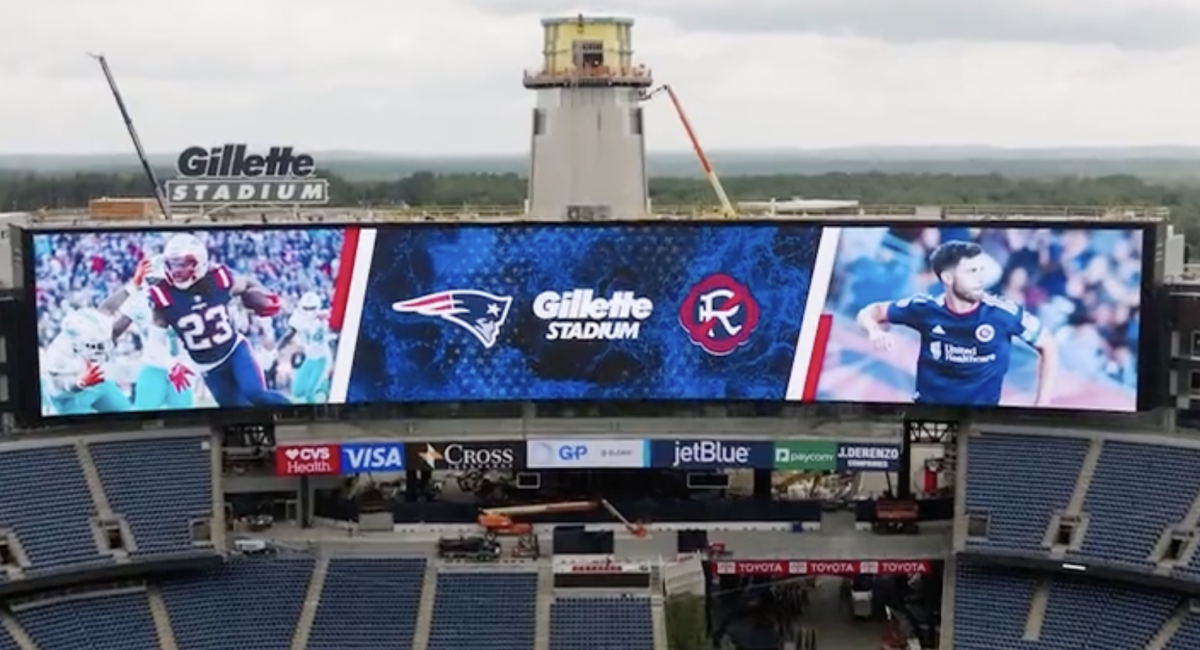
200 316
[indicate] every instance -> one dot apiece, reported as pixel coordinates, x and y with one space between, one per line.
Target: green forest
21 191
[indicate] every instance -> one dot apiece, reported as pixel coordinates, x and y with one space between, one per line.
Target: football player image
966 333
165 378
310 325
193 301
75 364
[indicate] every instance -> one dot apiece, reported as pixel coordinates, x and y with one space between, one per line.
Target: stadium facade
558 430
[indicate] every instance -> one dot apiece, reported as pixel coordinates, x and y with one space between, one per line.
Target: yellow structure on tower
588 150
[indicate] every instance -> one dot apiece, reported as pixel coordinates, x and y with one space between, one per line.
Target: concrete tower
588 153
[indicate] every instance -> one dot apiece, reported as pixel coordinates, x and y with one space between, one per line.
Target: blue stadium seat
248 603
160 486
1188 636
1137 491
45 499
992 606
484 611
368 604
96 622
601 624
1020 481
6 641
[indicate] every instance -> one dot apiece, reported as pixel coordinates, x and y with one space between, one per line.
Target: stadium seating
368 604
160 486
1020 481
94 622
992 606
484 611
248 603
601 624
6 642
1137 491
1188 635
45 500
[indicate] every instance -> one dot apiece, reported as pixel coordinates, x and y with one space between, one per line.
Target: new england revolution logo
480 313
719 314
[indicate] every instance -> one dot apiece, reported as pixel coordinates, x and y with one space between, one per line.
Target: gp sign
362 457
587 454
867 457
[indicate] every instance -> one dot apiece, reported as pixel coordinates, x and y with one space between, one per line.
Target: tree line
31 191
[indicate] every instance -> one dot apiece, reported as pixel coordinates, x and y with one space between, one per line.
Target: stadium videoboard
1032 317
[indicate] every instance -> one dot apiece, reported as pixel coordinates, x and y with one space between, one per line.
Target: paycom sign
806 455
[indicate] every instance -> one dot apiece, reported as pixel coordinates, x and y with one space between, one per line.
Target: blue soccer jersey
964 357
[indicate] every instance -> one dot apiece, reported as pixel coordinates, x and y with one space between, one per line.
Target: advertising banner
130 320
360 457
308 460
712 454
233 174
466 455
588 454
821 567
806 455
867 457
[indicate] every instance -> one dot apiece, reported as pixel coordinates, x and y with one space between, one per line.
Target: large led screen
153 321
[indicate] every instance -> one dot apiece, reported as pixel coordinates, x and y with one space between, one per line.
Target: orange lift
499 521
727 210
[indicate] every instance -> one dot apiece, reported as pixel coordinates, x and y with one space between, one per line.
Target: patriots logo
480 313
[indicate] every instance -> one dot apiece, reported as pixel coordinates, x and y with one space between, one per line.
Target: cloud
1125 24
445 78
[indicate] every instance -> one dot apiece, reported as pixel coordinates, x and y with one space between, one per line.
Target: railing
640 74
500 213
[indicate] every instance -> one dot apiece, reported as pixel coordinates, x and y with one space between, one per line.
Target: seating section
95 622
160 486
1188 635
1020 481
368 604
248 603
6 641
1137 491
601 624
484 611
45 500
992 607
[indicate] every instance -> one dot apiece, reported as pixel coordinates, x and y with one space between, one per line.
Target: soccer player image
966 333
962 315
194 302
310 325
76 363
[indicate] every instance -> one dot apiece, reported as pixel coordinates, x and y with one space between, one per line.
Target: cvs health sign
360 457
308 460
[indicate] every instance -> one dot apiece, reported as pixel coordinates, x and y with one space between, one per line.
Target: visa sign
307 460
362 457
712 454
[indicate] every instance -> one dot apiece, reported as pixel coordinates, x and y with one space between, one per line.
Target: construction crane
499 521
727 209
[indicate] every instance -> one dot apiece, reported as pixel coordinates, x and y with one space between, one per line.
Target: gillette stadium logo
581 315
233 174
479 313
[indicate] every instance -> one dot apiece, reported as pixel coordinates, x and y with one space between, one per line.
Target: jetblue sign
587 454
364 457
712 454
867 457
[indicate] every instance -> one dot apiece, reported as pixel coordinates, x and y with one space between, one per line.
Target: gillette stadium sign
234 174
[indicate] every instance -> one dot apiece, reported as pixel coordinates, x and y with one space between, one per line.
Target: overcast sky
445 77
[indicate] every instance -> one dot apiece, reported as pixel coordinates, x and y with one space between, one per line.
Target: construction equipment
727 210
499 521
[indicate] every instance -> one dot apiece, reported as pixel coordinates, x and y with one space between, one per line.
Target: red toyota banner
821 567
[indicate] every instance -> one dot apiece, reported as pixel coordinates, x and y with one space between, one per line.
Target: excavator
499 521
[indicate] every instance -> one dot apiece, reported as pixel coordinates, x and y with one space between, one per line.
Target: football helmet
185 260
310 301
90 334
